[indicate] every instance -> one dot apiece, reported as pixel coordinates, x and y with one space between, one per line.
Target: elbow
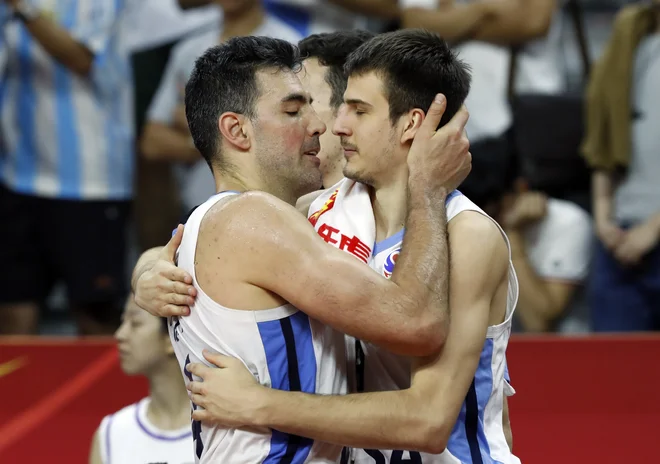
421 339
433 436
430 335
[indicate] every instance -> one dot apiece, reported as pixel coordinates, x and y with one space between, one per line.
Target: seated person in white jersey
157 428
456 400
255 261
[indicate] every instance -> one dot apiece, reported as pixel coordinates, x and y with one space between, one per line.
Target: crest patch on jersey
390 261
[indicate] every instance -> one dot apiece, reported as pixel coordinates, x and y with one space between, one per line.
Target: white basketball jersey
282 347
478 436
127 437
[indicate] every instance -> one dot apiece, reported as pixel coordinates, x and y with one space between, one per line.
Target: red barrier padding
579 400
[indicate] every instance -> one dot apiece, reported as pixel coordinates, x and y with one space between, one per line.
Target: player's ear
236 130
411 122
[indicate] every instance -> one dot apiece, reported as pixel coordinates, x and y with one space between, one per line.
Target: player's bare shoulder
477 234
250 223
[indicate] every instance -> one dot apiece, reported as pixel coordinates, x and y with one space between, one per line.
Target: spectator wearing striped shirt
66 160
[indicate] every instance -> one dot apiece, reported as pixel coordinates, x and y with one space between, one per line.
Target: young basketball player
157 428
259 269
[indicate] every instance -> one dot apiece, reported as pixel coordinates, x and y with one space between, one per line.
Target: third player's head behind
324 56
143 341
251 119
392 80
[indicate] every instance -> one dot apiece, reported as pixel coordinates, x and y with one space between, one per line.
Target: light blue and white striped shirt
63 135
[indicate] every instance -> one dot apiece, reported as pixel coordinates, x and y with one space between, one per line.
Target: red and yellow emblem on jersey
326 207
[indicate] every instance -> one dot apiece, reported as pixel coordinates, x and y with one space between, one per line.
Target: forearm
59 44
603 194
186 4
365 420
455 24
515 22
536 307
422 268
384 9
161 142
146 262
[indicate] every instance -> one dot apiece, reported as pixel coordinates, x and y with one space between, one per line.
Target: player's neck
169 408
390 206
242 23
332 178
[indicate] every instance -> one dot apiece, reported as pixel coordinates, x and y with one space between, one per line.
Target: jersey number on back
397 457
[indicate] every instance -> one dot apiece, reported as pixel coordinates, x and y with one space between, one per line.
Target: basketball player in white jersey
451 411
157 428
255 261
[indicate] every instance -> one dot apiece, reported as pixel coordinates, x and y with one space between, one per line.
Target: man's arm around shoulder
421 417
281 252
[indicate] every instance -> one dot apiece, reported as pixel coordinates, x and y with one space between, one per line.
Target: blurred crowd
97 163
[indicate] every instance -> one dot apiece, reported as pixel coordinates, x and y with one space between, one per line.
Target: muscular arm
422 416
162 142
540 300
505 22
59 44
407 314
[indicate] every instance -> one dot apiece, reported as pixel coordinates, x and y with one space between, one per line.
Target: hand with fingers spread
440 159
164 289
227 394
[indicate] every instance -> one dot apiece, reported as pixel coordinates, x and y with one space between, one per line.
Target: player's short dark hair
415 65
224 79
332 49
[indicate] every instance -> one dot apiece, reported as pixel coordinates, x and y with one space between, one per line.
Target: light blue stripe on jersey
507 377
25 161
117 155
68 150
468 443
296 17
285 448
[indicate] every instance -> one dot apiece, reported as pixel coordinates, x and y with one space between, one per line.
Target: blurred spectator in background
151 29
66 161
324 56
313 16
166 135
551 243
156 429
484 33
622 145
